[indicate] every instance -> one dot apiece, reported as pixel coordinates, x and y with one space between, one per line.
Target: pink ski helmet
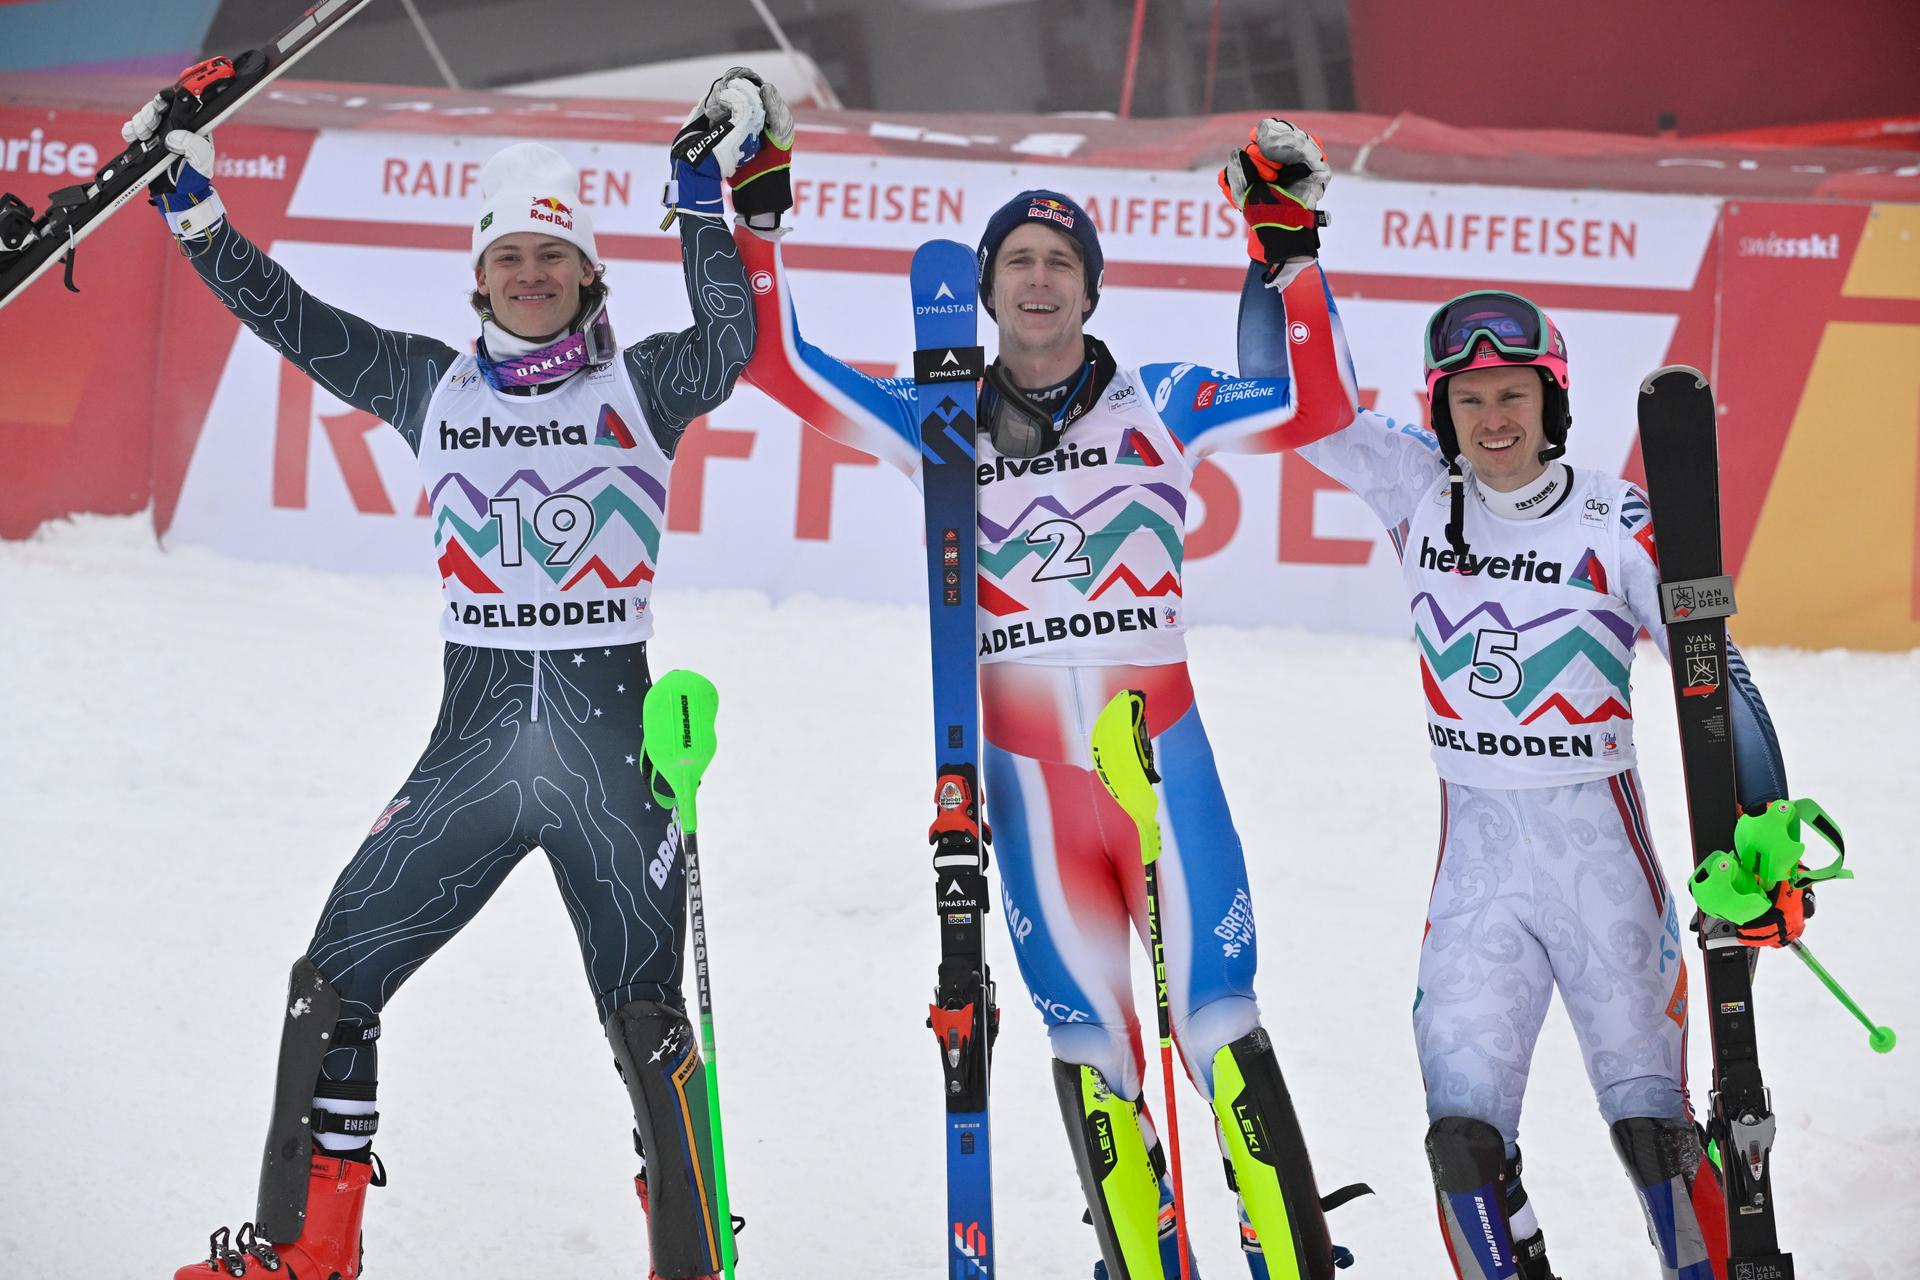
1486 328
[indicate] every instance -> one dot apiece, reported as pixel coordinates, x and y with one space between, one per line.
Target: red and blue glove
1276 181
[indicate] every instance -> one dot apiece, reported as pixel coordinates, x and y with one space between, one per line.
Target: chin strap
1456 509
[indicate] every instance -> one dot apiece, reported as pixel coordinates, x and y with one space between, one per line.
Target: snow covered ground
192 747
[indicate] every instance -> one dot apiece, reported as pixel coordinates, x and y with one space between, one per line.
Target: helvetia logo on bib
1525 567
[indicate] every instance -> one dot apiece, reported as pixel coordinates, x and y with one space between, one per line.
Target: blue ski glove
184 194
723 129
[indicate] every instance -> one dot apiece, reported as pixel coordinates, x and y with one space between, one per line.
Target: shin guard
1468 1158
312 1014
1268 1156
1663 1157
654 1048
1122 1190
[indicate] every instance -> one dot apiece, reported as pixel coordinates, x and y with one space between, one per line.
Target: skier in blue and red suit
1085 468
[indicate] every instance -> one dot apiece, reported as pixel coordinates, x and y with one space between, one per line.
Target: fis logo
1609 744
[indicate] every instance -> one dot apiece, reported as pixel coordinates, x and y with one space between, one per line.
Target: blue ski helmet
1056 211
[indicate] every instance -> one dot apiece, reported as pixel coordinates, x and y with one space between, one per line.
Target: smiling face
1499 417
1040 302
532 283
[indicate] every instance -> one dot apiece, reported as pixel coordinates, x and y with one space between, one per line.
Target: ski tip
940 248
944 259
1671 370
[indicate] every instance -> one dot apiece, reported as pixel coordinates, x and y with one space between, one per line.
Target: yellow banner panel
1886 264
1835 560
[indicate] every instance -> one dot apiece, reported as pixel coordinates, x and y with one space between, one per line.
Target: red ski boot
329 1247
640 1185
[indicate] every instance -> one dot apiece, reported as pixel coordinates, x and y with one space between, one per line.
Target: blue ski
946 367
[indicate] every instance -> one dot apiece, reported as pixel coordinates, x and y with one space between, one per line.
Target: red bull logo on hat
548 209
1052 210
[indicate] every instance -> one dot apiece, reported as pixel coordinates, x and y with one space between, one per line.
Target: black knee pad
655 1050
310 1029
1479 1192
1465 1154
1654 1150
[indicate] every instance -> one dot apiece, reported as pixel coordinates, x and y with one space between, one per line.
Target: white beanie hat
531 187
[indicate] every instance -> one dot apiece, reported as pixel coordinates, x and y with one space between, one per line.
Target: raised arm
1390 465
1290 333
1303 391
385 372
381 371
873 415
679 376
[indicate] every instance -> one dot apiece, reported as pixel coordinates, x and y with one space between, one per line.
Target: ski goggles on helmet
1517 330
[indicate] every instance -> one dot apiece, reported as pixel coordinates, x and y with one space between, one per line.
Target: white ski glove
725 123
184 193
190 149
763 181
1285 144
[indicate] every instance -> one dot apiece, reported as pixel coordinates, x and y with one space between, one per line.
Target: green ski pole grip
677 723
1724 887
1123 757
1767 849
1768 843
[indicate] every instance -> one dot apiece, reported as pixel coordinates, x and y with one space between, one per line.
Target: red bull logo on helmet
548 209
